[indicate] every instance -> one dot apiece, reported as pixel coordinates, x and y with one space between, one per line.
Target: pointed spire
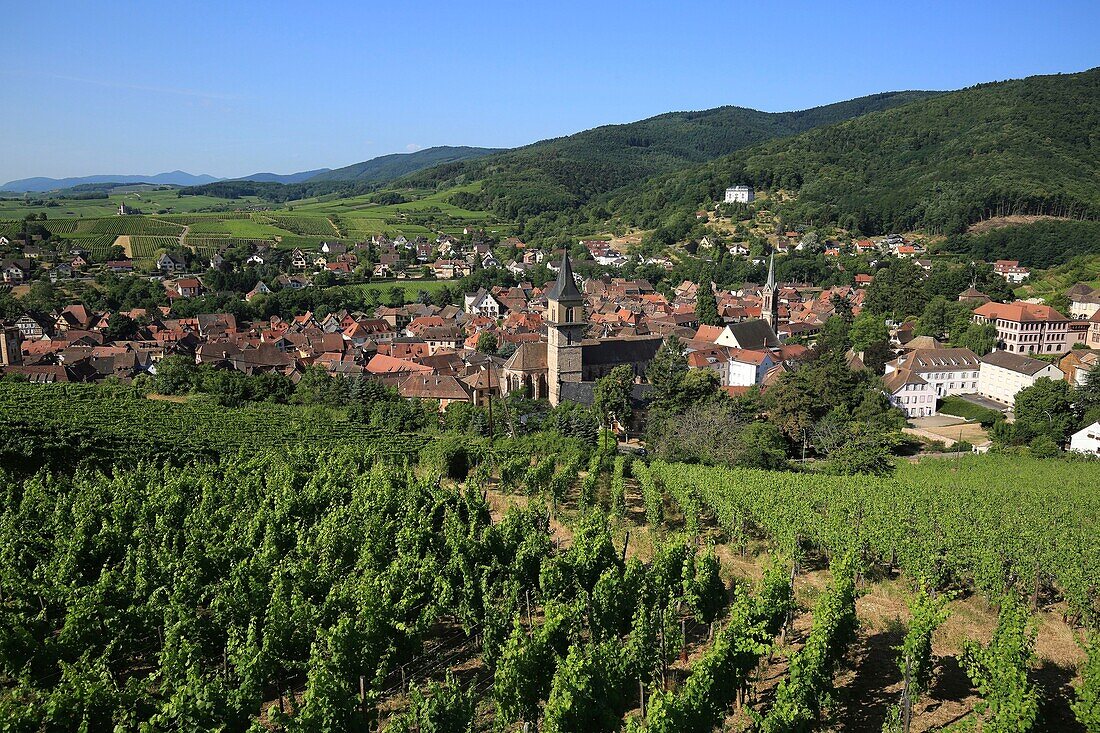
565 288
771 272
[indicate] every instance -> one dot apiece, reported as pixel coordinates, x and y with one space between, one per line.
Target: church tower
769 305
565 327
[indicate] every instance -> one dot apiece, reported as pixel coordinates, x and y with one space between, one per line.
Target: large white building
1027 328
949 371
911 393
739 195
1003 374
1086 440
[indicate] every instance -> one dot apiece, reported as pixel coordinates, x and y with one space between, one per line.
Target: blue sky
233 88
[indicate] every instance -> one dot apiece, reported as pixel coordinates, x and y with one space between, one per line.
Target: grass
411 287
968 410
300 223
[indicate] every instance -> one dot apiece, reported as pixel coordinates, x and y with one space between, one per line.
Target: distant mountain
278 178
390 167
1026 146
564 173
38 185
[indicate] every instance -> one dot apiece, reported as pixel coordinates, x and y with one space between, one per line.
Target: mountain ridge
42 184
396 165
1024 146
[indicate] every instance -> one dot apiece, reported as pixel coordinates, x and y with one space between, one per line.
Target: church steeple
769 303
565 327
565 288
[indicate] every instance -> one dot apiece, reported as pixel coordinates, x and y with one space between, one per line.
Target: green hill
1028 146
389 167
564 173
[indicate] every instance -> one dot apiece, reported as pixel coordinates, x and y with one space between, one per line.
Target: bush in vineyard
589 691
1087 705
927 613
438 708
999 670
808 687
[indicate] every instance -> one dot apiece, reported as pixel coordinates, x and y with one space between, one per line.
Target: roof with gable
434 387
898 378
1020 311
1015 362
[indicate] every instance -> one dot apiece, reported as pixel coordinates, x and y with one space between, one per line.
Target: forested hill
390 167
1023 146
564 173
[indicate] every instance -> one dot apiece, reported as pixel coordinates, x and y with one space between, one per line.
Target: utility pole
490 396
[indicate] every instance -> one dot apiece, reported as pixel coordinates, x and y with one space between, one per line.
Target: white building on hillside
739 195
1086 440
1003 374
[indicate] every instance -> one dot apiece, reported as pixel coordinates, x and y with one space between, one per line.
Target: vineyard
129 225
296 571
994 524
99 245
145 247
126 424
316 226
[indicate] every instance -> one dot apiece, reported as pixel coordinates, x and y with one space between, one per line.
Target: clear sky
232 88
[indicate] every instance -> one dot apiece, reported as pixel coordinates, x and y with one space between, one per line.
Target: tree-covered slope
1023 146
390 167
1041 244
564 173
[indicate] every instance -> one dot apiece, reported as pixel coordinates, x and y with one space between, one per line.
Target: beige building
1003 374
1026 328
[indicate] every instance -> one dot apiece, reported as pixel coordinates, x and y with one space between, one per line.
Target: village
550 342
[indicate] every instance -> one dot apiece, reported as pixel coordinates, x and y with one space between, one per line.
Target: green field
411 287
210 223
149 202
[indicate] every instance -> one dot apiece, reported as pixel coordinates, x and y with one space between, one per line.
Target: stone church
573 362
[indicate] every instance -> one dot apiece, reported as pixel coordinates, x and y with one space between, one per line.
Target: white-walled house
747 368
739 195
482 303
1086 440
910 393
1003 374
949 371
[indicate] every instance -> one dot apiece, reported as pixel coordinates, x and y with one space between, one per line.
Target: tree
706 307
944 319
1044 408
612 395
867 330
897 289
761 445
867 451
175 375
396 296
981 338
1087 396
666 371
120 328
487 342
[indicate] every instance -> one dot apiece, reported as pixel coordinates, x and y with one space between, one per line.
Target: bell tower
565 327
769 303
